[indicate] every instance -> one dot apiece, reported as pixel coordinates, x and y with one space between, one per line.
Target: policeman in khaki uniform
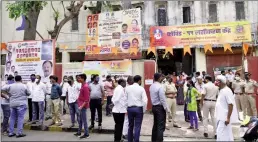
240 98
209 97
250 95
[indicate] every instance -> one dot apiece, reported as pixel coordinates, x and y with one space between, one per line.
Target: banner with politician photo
91 33
30 57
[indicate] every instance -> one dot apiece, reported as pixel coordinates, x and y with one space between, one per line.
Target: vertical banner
30 57
91 33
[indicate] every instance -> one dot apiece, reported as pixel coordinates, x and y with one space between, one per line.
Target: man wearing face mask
31 86
96 100
64 85
38 100
240 98
250 95
230 78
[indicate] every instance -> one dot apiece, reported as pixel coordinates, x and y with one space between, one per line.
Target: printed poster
72 69
91 33
30 57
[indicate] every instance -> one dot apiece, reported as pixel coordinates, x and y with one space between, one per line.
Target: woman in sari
180 91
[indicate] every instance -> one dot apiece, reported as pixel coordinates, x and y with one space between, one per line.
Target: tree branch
62 2
55 16
39 35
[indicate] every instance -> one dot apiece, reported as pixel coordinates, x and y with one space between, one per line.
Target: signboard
217 70
91 32
72 69
103 68
211 33
118 29
30 57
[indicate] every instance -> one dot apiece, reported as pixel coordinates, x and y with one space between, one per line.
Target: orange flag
80 47
96 50
114 50
151 49
168 50
208 47
187 49
133 50
3 46
227 46
245 48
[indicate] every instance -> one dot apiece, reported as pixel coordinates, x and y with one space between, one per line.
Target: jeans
83 121
39 111
17 113
108 111
193 119
96 104
119 122
55 105
135 116
74 110
6 113
159 124
31 109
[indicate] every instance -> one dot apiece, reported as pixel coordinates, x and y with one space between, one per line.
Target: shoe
205 135
215 137
71 126
84 136
20 135
196 129
91 127
11 135
124 137
100 128
77 134
191 127
186 120
176 126
47 118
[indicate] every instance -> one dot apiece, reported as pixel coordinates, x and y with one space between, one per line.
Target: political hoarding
72 69
118 29
30 57
211 33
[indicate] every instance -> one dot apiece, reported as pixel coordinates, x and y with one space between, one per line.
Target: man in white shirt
199 86
137 103
31 86
230 78
48 101
96 101
209 97
64 85
38 99
224 109
73 91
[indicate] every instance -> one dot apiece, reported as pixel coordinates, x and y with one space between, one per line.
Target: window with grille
186 15
162 17
75 22
240 10
213 13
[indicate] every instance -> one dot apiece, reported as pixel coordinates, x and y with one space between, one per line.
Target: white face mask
36 80
237 78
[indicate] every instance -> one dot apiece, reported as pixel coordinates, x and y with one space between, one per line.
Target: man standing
240 98
96 101
83 103
186 114
209 97
224 109
18 93
38 100
250 95
159 108
64 85
230 78
171 93
199 86
31 85
109 87
137 103
48 100
56 92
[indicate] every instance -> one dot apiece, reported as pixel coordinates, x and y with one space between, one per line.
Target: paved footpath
108 126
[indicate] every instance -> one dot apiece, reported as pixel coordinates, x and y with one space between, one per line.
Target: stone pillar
65 57
149 20
172 12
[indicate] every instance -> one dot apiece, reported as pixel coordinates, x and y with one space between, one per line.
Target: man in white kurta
224 109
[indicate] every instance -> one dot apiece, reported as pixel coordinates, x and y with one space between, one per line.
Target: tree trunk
31 25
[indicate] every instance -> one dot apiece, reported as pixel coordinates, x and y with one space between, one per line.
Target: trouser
119 122
108 111
251 105
17 113
241 103
74 110
126 125
186 114
159 123
135 116
209 108
38 112
30 109
6 114
224 132
172 106
199 110
193 119
83 121
63 105
48 106
96 104
55 106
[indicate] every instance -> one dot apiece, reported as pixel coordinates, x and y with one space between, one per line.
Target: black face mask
69 82
188 85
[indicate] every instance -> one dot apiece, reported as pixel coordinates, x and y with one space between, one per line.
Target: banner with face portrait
118 29
30 57
91 33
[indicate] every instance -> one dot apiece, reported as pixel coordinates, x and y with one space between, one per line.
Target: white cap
222 78
199 77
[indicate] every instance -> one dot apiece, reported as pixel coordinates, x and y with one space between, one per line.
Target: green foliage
56 14
19 8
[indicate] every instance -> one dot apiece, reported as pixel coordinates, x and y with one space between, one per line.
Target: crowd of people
127 101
